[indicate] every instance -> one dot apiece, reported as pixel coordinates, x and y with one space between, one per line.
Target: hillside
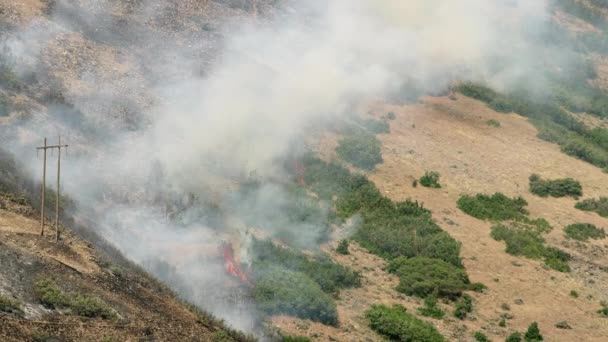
306 171
140 307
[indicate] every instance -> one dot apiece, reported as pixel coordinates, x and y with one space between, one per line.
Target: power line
44 148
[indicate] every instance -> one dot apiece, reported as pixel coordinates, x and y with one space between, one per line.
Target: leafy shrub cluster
390 230
430 308
584 232
555 188
51 296
376 126
281 291
360 150
430 179
397 324
481 337
10 306
525 240
289 338
343 247
496 207
292 283
463 307
599 206
419 276
532 335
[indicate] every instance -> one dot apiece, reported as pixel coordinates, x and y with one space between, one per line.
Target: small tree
533 333
430 179
514 337
343 247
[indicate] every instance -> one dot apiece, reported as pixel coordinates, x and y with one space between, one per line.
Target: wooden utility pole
57 200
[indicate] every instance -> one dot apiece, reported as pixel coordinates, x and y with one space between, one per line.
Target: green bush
533 333
376 126
421 276
430 308
390 116
584 232
288 338
479 92
555 188
10 306
397 324
514 337
463 307
87 306
525 240
497 207
330 276
604 310
281 291
599 206
343 247
573 294
430 179
481 337
493 123
52 297
361 150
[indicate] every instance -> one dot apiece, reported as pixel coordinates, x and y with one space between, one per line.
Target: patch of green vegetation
514 337
397 324
481 337
525 240
222 336
360 150
463 307
376 126
419 276
10 306
390 116
573 294
584 232
4 105
329 275
279 290
430 308
502 323
599 206
498 207
555 188
604 310
430 179
52 297
343 247
493 123
533 334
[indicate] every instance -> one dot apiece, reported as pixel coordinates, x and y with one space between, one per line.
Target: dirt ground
452 136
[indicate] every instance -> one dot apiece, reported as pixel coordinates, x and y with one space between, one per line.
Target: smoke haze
166 121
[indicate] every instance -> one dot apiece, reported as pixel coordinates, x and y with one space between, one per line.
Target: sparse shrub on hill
525 240
343 247
10 306
599 206
376 126
396 324
430 179
481 337
493 123
533 334
360 150
514 337
289 338
421 277
430 308
52 297
494 100
584 232
281 291
555 188
463 306
496 207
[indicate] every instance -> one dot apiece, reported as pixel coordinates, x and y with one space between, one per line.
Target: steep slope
142 309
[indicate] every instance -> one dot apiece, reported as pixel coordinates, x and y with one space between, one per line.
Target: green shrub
481 337
463 307
533 333
430 308
343 247
514 337
493 123
10 306
87 306
397 324
376 126
604 310
479 92
525 240
430 179
361 150
50 295
599 206
421 276
573 294
555 188
502 323
390 116
497 207
329 275
281 291
584 232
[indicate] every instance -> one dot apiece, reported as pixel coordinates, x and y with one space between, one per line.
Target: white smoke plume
205 110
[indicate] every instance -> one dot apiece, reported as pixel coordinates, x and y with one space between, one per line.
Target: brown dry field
453 138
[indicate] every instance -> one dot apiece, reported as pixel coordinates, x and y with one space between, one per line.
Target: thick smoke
169 121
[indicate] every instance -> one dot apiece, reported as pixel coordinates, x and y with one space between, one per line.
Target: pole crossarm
49 147
44 148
